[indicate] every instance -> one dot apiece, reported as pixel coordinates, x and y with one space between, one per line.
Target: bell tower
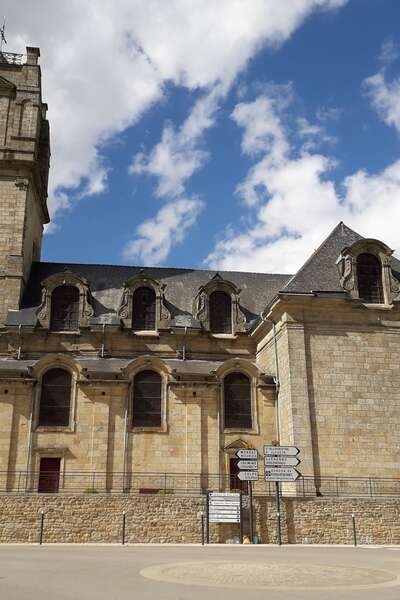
24 169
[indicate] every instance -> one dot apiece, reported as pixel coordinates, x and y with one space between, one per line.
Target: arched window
237 401
220 312
144 309
146 400
65 308
369 277
55 398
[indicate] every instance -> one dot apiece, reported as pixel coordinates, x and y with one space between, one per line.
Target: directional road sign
224 507
281 461
248 475
281 451
250 453
248 464
281 474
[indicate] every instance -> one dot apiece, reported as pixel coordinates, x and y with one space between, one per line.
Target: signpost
224 507
248 465
279 463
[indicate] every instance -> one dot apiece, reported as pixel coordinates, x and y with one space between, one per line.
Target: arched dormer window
217 307
143 305
237 401
65 308
66 302
144 309
146 411
220 306
55 398
369 278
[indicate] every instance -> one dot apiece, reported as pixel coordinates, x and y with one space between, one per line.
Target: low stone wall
155 519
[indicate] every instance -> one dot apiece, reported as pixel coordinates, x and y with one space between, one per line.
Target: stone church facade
119 378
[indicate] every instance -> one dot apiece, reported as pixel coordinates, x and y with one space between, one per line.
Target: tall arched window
55 398
220 312
237 401
65 308
146 399
369 277
144 309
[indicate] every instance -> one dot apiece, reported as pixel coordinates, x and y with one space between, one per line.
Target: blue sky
240 150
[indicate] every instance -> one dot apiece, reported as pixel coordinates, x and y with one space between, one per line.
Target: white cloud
156 236
385 98
297 202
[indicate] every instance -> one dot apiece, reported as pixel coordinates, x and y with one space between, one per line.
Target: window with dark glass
237 401
147 400
144 309
65 308
55 399
220 312
369 277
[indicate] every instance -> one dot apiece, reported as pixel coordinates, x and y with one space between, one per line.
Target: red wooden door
235 482
49 475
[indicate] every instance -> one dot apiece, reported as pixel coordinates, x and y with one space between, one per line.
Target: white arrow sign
248 464
281 461
281 474
247 453
281 451
248 475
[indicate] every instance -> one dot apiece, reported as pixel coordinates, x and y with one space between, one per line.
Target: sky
220 134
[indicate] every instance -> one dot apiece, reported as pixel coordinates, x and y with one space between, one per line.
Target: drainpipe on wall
219 435
126 436
19 351
276 379
30 433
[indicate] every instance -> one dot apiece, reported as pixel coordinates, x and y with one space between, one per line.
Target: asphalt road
193 572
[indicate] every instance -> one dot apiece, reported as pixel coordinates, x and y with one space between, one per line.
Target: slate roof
319 274
107 281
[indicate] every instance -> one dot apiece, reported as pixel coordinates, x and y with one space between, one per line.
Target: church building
141 379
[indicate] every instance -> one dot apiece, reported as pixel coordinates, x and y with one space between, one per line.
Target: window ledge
54 429
372 306
76 332
224 336
251 430
146 333
162 429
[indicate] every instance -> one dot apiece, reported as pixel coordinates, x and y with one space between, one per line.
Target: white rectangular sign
224 507
281 461
248 464
248 475
281 451
247 453
281 474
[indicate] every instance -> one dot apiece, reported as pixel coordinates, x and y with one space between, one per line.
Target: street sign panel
281 474
250 453
248 475
248 464
281 451
281 461
224 507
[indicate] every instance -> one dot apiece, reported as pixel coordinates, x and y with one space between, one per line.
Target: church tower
24 168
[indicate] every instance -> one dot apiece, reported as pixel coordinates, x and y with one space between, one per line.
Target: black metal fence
97 482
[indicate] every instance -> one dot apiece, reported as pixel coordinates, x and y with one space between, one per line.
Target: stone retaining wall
98 519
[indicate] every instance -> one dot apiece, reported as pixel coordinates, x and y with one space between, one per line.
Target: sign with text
250 453
281 474
248 464
281 461
248 475
224 507
281 451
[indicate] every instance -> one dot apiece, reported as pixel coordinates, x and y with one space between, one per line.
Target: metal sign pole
278 514
241 519
208 519
250 491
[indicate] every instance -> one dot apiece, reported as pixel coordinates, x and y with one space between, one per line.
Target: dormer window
369 278
220 312
144 309
65 308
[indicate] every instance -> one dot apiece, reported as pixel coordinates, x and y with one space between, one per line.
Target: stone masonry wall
152 519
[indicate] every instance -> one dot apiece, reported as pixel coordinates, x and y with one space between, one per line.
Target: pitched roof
319 272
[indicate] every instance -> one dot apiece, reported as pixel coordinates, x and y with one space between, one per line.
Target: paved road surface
193 572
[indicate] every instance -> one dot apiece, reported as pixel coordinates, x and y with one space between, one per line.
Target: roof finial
2 34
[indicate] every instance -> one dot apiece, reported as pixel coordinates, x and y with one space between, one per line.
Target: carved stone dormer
201 305
125 311
348 263
66 278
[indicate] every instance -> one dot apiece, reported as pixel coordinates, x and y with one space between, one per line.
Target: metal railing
11 58
100 482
